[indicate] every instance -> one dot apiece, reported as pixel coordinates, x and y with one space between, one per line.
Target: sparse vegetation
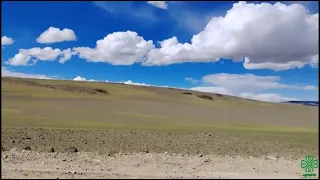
206 97
164 120
187 93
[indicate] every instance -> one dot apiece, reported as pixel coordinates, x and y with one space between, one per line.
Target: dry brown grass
241 126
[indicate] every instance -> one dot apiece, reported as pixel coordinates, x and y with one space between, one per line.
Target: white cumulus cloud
118 48
6 41
270 36
92 80
129 82
273 65
159 4
270 97
248 86
135 83
31 56
54 35
65 55
79 78
243 82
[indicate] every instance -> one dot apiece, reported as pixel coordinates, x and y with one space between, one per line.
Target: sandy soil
30 164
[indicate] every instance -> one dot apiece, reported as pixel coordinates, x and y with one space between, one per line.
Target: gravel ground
130 141
66 153
31 164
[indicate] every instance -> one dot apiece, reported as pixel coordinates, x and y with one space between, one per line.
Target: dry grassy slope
26 103
237 126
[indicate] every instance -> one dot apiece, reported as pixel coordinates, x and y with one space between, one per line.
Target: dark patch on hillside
205 97
64 87
187 93
252 100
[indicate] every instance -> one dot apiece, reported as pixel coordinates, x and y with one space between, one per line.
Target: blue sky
255 50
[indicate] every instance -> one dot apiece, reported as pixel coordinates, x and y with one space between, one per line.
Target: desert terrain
70 129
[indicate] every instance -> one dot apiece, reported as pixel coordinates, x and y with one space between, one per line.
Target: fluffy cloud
247 86
65 55
272 65
118 48
159 4
54 35
267 97
268 36
242 82
6 41
134 83
24 56
129 82
7 73
79 78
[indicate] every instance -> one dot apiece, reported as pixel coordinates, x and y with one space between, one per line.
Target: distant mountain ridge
307 103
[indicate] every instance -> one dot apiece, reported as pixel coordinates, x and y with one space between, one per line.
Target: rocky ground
31 164
132 141
70 153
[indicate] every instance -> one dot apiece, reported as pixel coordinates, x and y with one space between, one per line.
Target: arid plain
46 121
